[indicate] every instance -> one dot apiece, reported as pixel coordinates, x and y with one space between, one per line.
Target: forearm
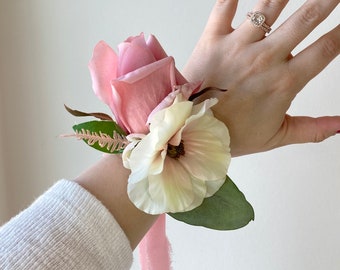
107 181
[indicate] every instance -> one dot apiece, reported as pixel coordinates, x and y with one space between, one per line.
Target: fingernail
338 132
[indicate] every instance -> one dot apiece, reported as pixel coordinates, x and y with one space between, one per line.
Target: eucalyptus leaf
105 136
227 209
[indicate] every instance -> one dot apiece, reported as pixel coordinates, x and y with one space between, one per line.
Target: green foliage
227 209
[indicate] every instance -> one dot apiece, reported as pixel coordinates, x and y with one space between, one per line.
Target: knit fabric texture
65 228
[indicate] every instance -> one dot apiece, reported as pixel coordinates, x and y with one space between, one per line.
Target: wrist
107 181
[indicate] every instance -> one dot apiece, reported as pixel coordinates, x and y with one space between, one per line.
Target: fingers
221 16
300 24
312 60
307 129
271 9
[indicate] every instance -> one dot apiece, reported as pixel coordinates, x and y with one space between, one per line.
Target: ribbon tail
154 249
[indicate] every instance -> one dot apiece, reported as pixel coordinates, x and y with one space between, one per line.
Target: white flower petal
200 191
207 156
214 186
127 153
168 121
159 183
204 107
169 99
158 163
143 157
134 139
197 112
140 197
172 190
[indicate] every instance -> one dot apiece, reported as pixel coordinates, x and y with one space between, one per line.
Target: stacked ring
258 20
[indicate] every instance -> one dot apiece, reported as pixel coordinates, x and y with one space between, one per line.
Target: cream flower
182 160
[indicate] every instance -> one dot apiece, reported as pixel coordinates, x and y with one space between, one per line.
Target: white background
44 50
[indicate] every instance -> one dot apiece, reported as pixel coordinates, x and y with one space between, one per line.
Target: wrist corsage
177 151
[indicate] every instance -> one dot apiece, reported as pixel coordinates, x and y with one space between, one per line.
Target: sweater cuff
65 228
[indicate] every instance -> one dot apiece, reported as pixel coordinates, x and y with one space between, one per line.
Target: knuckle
318 138
274 3
223 2
330 47
310 14
318 135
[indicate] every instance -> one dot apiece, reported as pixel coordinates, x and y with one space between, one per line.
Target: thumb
221 16
303 129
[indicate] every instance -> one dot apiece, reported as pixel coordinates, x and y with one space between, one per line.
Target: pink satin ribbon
154 249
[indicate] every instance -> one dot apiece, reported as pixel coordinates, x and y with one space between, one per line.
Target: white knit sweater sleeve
65 228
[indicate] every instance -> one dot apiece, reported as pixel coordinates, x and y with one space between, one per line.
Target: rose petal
134 54
103 69
153 82
185 90
188 89
156 48
159 53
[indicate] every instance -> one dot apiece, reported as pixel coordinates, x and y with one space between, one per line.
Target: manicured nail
338 132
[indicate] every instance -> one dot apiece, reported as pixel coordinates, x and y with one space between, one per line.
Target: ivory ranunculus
135 81
182 160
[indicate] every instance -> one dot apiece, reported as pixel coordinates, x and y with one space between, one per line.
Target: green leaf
105 136
227 209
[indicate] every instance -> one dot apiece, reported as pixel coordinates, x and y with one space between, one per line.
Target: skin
265 87
268 85
107 180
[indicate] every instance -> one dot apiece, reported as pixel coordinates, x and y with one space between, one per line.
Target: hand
261 76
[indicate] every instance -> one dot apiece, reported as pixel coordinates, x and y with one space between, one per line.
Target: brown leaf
101 116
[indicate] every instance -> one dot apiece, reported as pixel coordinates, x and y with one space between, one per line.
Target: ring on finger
258 20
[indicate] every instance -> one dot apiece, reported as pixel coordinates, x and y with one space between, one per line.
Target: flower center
176 151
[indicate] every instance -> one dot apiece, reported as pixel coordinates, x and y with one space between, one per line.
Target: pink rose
135 81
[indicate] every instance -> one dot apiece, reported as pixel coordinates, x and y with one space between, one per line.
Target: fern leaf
114 143
105 136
